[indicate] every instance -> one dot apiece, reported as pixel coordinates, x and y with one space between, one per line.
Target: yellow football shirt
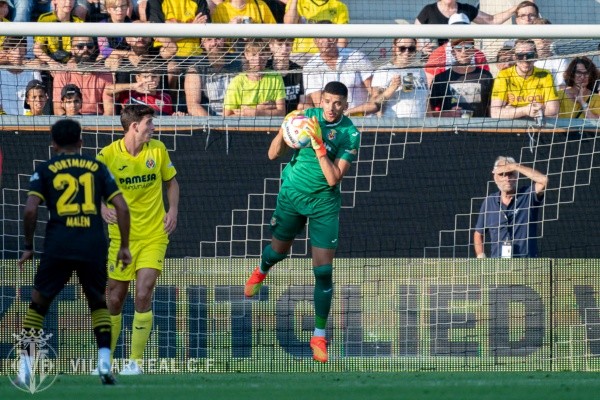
54 43
311 12
258 11
183 11
140 179
518 91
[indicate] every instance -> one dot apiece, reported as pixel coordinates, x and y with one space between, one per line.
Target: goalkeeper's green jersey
140 179
304 173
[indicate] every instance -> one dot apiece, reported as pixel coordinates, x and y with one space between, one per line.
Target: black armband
29 247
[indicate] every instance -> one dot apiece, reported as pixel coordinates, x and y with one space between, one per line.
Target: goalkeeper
310 192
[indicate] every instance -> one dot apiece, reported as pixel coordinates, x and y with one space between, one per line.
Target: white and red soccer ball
297 129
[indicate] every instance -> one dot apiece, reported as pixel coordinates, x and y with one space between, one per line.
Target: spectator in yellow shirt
312 12
578 99
523 90
243 12
56 51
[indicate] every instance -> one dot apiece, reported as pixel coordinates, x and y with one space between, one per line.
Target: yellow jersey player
140 166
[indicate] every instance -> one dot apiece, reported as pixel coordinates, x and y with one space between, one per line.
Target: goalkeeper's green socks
322 296
269 258
142 325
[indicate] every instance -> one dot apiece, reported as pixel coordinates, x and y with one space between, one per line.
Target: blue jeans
24 9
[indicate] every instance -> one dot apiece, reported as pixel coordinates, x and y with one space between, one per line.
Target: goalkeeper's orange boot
254 283
318 344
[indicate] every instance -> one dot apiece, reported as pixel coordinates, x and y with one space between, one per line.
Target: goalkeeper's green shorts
294 209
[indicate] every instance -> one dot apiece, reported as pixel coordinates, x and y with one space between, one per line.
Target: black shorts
54 273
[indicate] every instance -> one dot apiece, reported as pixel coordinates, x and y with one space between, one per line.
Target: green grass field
330 386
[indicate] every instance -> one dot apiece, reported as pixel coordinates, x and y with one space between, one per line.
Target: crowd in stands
219 77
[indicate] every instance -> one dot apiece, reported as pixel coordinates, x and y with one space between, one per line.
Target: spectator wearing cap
36 98
15 77
442 58
82 72
464 89
524 90
72 99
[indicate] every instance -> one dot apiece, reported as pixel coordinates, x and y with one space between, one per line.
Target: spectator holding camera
56 50
398 88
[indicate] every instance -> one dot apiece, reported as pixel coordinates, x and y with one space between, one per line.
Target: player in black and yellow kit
141 166
73 188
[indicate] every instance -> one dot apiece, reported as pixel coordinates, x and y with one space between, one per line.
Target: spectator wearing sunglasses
442 58
524 90
464 89
399 88
82 71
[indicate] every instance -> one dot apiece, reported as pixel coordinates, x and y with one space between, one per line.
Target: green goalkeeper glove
316 138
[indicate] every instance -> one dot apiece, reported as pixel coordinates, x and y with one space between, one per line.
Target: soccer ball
296 130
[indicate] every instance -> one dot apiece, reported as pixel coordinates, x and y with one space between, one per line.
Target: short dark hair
336 88
66 132
134 113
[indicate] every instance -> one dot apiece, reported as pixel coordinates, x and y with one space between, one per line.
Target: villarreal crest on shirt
140 178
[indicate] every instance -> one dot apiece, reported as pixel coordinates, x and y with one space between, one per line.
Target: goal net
409 292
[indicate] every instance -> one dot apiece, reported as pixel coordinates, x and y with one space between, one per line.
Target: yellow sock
115 331
142 325
33 320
